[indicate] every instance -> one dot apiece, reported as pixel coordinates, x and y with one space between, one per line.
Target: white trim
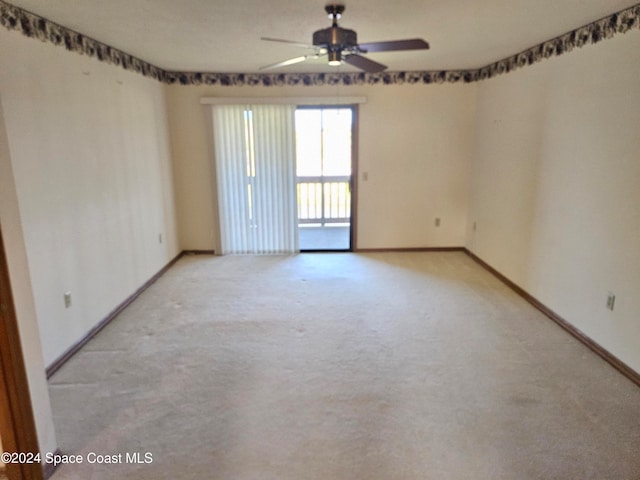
282 100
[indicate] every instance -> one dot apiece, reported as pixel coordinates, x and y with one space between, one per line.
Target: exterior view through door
323 169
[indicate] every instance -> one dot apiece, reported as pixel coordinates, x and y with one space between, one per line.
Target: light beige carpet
342 366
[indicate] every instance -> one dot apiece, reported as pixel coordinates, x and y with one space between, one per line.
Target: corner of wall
23 297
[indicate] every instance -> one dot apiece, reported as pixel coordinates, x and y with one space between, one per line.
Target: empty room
314 240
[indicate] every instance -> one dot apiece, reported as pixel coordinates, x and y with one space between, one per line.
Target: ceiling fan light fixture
334 10
334 58
336 41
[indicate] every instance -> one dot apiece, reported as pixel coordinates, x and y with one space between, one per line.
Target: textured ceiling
224 36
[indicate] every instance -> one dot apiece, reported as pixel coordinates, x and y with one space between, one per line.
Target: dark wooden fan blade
410 44
364 64
297 44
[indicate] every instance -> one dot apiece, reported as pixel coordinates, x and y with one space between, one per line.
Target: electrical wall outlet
611 300
67 299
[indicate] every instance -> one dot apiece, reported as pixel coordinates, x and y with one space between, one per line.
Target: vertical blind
255 170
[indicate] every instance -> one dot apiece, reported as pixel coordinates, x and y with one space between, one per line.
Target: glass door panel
323 159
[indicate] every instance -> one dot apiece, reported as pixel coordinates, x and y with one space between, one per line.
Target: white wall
90 154
12 235
556 186
414 144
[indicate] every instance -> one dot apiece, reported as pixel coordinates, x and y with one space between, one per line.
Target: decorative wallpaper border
314 79
607 27
31 25
34 26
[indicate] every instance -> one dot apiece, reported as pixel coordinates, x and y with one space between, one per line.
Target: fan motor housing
335 38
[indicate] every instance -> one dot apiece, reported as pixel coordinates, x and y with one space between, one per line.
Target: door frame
354 175
353 182
17 423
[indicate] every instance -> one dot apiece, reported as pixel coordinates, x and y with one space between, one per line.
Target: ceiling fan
341 45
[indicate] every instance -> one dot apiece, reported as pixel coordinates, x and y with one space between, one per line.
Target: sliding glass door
324 159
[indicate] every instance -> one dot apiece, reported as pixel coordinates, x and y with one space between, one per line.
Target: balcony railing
324 200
